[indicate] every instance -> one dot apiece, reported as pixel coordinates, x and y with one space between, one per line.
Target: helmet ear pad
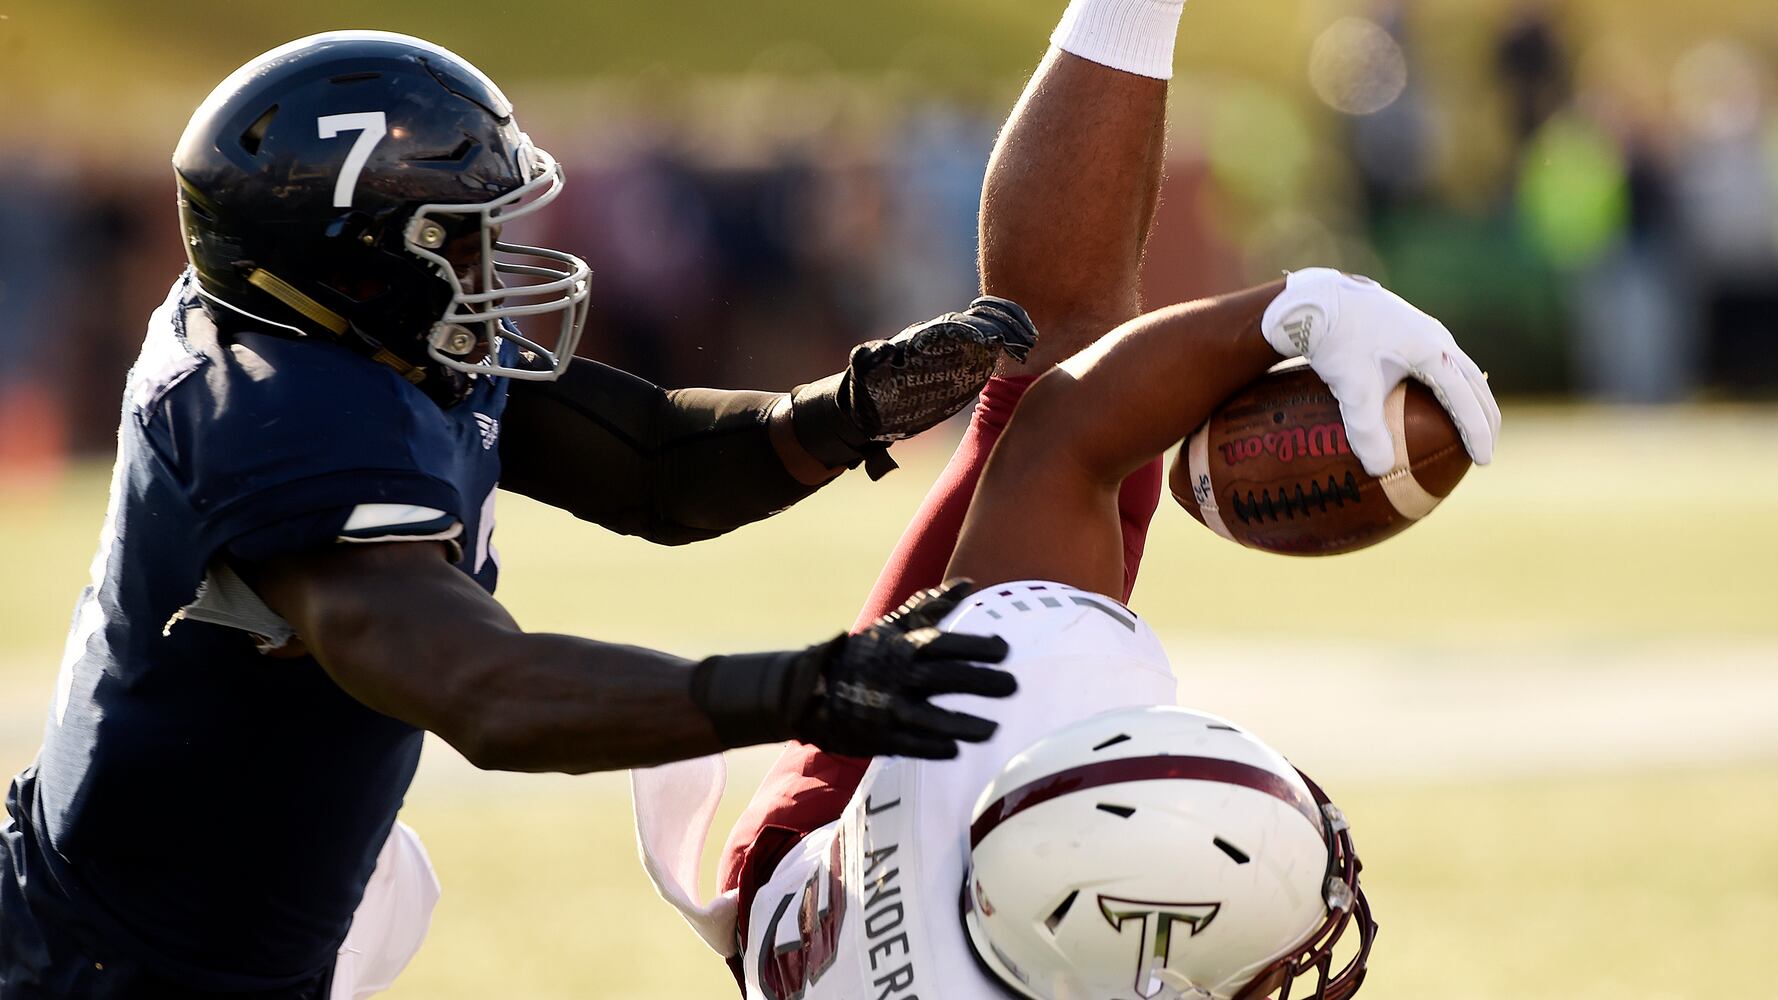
390 293
356 267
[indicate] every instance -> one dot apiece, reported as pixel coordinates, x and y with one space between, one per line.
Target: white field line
1358 712
1396 714
1371 714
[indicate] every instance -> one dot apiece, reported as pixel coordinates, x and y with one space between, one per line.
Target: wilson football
1271 468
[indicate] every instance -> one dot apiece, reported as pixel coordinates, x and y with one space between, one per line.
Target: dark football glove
893 389
861 695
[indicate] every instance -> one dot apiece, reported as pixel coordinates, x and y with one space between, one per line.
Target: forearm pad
754 697
670 466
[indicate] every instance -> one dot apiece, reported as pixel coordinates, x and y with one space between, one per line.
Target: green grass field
1563 601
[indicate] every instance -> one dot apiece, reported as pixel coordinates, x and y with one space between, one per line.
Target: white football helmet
1161 853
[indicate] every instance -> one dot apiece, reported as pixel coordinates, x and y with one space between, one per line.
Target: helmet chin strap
327 319
1175 986
291 296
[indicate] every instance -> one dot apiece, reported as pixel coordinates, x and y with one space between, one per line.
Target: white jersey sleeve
868 906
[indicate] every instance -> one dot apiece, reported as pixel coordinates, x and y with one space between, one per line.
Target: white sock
1135 36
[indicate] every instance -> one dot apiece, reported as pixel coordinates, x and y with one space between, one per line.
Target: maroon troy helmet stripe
1158 768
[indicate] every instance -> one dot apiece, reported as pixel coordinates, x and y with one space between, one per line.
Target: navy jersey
199 809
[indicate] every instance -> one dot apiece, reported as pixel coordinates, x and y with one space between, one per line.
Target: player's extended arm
670 466
683 465
403 631
1093 420
1141 388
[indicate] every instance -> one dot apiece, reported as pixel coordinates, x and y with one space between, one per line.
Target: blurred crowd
1588 221
1645 203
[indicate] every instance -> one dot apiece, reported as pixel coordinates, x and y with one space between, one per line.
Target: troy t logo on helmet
1155 921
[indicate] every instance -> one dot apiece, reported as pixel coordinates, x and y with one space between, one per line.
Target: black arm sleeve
670 466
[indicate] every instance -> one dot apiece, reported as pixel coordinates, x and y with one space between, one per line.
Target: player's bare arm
1141 388
1069 198
1067 203
1092 421
409 635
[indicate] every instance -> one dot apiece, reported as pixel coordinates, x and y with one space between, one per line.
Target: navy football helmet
352 185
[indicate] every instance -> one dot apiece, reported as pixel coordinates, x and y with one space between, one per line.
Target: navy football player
293 578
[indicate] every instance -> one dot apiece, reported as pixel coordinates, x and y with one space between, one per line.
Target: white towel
675 805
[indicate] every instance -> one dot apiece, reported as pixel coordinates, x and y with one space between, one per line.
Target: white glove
1362 339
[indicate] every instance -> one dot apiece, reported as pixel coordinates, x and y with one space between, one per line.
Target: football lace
1288 505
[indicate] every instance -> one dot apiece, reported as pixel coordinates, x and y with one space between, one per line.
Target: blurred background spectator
1587 194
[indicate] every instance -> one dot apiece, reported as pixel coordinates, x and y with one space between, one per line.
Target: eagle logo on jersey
1155 921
